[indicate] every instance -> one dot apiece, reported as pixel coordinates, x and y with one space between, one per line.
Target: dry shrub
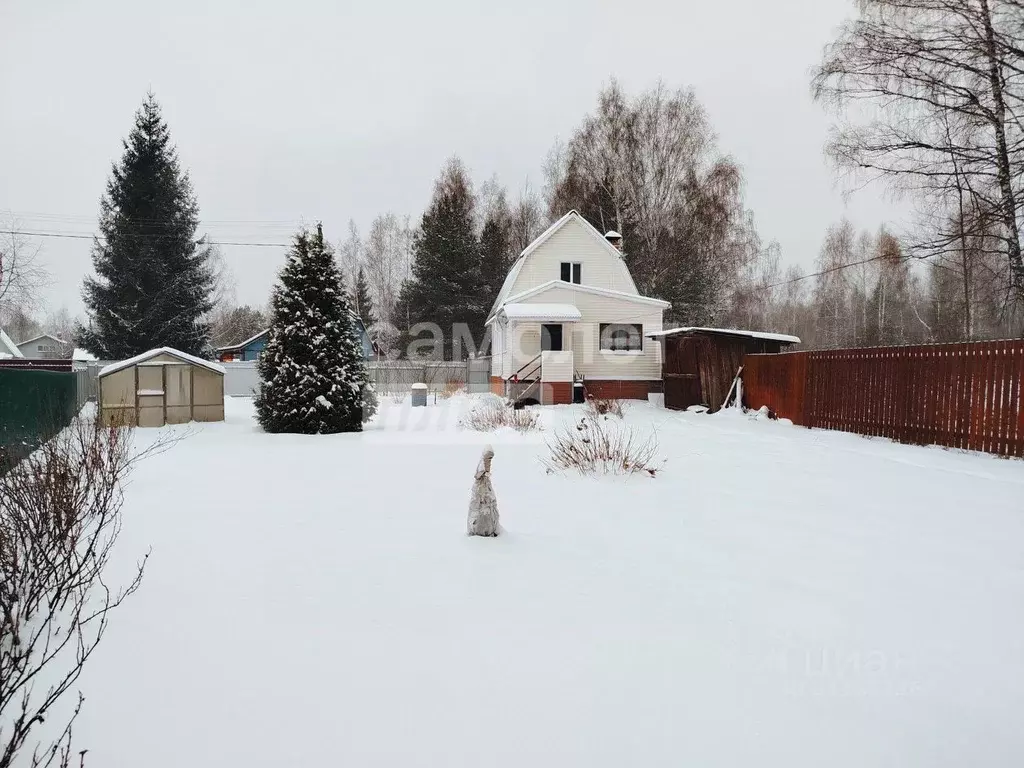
452 387
60 516
495 413
604 406
599 445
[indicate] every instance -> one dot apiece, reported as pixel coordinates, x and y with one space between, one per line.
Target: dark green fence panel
34 405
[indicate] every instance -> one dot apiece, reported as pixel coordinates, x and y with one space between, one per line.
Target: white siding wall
574 242
584 336
557 366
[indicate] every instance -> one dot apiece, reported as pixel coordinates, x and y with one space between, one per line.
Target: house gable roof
183 356
42 336
573 215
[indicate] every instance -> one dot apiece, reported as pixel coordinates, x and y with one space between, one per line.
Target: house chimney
614 238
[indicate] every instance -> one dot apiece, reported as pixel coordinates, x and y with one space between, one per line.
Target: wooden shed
162 386
699 364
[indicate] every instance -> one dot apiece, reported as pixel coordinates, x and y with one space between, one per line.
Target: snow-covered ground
775 597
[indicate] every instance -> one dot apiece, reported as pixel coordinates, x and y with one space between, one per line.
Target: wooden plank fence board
967 395
1019 400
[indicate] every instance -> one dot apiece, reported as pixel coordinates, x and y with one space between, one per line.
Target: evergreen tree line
646 165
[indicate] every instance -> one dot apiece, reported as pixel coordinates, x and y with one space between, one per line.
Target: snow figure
483 505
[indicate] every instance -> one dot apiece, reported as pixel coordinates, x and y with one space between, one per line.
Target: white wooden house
46 347
569 313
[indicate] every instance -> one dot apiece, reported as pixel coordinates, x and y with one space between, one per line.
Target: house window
622 337
571 272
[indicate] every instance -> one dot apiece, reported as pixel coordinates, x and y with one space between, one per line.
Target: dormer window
571 272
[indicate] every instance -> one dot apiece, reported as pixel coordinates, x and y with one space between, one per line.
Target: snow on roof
7 346
115 367
42 336
784 338
588 289
542 311
82 356
245 343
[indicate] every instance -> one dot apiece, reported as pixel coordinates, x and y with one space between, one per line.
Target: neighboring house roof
42 336
513 273
261 334
81 356
782 337
542 311
7 347
245 343
183 356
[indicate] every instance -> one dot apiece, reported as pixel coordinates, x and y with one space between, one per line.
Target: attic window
571 272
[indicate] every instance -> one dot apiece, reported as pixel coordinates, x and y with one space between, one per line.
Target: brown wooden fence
956 395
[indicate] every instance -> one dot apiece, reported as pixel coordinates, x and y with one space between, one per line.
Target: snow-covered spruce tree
153 277
313 372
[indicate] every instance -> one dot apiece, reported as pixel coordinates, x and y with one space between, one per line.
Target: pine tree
494 255
361 303
153 278
313 371
447 285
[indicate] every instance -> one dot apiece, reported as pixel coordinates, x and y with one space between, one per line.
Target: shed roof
780 337
542 311
183 356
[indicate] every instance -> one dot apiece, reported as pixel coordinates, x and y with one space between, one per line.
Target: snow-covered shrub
604 406
601 445
494 413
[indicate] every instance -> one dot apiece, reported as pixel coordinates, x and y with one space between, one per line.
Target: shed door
151 395
178 385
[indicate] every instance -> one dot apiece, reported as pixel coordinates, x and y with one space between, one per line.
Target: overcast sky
307 110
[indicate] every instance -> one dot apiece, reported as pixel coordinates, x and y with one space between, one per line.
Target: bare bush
60 516
452 387
604 406
599 445
495 413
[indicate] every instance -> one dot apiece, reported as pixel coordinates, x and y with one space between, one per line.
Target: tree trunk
1009 207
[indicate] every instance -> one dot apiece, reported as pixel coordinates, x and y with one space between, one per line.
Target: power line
70 217
82 236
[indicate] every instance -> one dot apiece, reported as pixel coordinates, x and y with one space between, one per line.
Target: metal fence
36 404
957 395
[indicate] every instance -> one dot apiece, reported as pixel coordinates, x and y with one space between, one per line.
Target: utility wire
77 236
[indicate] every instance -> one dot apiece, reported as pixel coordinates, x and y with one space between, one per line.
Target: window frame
635 330
575 271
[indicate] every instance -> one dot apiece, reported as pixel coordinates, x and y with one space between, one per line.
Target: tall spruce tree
313 371
361 303
494 247
153 277
447 285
